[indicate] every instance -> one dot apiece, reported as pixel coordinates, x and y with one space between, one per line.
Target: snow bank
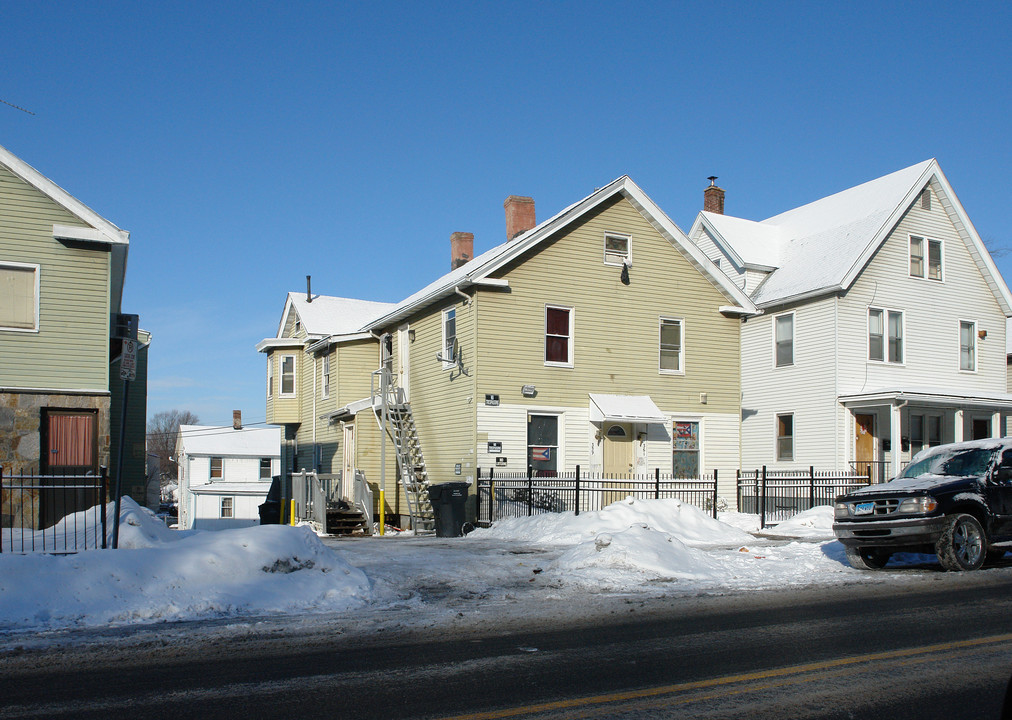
684 521
813 524
159 575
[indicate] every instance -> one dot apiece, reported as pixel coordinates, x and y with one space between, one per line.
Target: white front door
348 465
404 359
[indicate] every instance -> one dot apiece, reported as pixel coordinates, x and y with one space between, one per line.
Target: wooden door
69 447
618 458
864 445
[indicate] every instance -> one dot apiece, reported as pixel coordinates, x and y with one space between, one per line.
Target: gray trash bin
449 502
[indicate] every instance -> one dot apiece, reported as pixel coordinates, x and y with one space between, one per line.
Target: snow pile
813 524
681 520
178 576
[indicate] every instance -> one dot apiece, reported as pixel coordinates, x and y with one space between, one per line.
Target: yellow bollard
383 512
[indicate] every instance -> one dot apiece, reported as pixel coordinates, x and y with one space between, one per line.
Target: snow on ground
644 548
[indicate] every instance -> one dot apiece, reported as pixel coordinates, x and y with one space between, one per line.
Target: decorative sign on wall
492 400
494 448
456 469
500 461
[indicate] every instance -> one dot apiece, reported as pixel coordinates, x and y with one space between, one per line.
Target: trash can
449 501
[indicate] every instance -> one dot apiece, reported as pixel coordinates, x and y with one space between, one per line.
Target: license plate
866 508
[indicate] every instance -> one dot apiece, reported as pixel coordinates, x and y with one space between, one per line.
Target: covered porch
888 427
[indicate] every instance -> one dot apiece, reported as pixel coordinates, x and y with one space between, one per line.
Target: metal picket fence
52 513
777 495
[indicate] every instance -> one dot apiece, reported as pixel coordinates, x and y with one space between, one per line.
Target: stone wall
20 419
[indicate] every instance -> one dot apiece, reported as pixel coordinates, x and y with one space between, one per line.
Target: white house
883 328
224 474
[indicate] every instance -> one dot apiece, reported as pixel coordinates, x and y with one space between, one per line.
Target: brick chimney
237 419
713 197
519 215
461 248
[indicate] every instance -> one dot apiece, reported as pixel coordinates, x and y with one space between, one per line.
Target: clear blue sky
246 145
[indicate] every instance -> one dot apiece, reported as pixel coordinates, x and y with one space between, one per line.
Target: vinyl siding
73 296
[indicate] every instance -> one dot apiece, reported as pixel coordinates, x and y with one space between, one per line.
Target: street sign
128 361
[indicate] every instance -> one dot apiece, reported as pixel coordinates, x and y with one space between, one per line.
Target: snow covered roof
624 408
101 229
930 396
226 441
823 246
327 315
478 270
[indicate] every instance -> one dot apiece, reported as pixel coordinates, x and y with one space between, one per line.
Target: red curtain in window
71 440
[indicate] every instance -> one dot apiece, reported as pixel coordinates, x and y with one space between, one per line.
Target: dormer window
617 249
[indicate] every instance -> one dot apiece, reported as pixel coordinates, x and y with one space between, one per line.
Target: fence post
737 489
811 486
715 493
12 512
530 490
577 489
103 473
762 500
657 483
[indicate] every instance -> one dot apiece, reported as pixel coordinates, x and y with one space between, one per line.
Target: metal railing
777 495
502 495
53 513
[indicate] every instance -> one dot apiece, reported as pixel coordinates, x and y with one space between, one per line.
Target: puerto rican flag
541 454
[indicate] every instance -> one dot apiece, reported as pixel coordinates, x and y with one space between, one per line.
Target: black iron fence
503 495
52 513
777 495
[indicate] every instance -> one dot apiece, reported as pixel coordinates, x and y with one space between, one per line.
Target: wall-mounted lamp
982 334
528 391
411 335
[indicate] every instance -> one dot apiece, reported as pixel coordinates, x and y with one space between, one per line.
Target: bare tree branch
162 431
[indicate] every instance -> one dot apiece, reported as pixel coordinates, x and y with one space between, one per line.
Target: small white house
224 474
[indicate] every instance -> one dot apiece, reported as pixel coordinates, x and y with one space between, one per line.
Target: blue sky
246 145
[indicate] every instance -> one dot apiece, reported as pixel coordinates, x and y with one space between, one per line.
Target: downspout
467 298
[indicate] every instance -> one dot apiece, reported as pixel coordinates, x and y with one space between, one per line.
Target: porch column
895 435
957 429
996 425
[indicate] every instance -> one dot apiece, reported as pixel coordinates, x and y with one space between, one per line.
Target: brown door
69 447
864 445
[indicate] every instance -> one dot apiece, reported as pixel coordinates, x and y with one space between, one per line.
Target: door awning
624 408
929 397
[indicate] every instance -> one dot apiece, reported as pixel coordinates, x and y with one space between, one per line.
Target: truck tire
963 544
867 558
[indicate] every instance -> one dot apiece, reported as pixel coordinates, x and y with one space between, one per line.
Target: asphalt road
923 645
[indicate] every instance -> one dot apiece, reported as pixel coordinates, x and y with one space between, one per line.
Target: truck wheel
867 558
962 545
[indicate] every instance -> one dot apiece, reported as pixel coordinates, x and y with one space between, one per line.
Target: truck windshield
959 463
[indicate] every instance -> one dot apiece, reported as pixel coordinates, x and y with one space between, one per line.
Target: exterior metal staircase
389 402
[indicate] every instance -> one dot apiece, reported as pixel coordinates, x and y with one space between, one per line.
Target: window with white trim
216 468
617 249
685 448
265 468
287 375
925 431
671 346
925 254
449 337
785 436
19 297
968 345
543 444
325 381
227 504
783 340
558 336
885 335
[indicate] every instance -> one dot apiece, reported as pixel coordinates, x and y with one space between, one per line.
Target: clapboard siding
73 296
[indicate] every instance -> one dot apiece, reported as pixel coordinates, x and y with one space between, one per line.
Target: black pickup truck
952 500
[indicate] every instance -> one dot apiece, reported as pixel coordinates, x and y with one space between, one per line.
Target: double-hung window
326 376
287 375
671 346
925 258
543 444
227 507
785 436
270 375
968 345
265 468
449 337
617 249
558 336
685 449
19 297
216 468
885 335
784 340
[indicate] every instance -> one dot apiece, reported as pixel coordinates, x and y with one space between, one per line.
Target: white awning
624 408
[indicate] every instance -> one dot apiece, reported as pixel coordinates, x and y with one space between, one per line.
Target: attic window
617 249
925 199
298 324
918 247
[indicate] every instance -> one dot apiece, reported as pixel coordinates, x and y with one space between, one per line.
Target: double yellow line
646 693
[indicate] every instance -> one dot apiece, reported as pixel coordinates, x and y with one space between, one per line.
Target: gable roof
823 246
227 441
101 230
327 315
477 271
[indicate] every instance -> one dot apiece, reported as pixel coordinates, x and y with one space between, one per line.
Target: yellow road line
731 679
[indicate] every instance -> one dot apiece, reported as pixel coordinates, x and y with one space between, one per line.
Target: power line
16 107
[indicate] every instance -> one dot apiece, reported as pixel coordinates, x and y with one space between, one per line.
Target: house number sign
492 400
494 448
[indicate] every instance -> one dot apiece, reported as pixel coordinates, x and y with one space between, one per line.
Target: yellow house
595 338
